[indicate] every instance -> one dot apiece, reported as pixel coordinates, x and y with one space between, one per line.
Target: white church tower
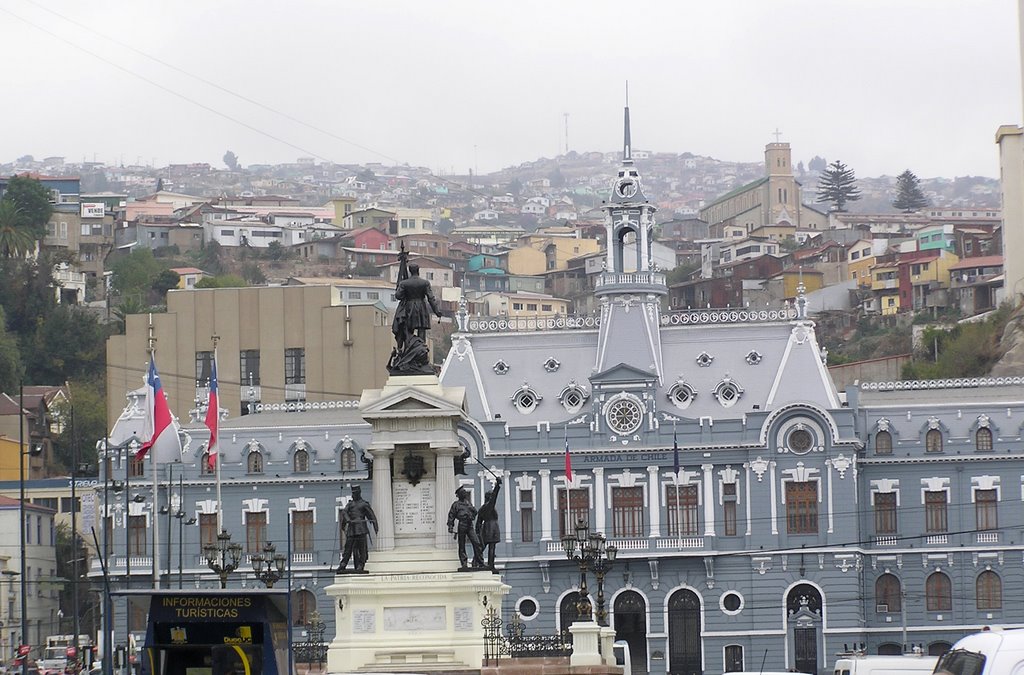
630 289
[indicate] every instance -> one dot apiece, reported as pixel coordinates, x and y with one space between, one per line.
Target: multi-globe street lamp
223 557
592 552
268 565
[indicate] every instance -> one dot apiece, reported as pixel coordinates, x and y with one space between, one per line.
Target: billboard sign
93 209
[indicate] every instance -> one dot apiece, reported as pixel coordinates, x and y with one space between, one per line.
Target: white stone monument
412 611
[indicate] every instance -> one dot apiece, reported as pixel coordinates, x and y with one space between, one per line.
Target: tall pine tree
909 196
837 185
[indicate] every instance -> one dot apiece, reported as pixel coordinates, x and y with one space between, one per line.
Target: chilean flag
213 417
568 463
159 428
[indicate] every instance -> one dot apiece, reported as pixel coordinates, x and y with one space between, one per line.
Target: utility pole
566 116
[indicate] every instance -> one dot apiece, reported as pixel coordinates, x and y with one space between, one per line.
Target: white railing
630 544
302 558
937 539
988 537
607 279
680 542
888 540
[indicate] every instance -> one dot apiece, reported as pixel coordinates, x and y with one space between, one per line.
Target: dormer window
728 392
573 397
500 367
682 395
753 357
526 399
552 364
704 359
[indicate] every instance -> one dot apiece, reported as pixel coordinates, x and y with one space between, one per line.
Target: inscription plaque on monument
364 621
414 619
414 507
463 618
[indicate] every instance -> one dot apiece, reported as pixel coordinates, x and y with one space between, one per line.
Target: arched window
890 649
348 459
933 441
887 593
303 604
938 593
300 461
983 439
883 443
989 589
939 648
204 464
254 462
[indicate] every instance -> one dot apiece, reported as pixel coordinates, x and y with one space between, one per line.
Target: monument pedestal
412 611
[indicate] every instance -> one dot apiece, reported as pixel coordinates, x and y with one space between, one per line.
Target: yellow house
776 232
885 283
343 206
539 254
792 277
9 454
860 257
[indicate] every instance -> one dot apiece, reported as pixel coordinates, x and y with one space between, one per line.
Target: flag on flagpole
159 430
213 417
675 449
568 464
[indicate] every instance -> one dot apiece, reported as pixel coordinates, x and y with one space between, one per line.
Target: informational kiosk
214 631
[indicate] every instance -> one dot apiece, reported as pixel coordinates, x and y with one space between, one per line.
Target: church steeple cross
777 134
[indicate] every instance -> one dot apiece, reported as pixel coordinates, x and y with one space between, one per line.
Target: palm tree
15 238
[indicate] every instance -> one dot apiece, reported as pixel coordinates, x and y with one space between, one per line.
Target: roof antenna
627 155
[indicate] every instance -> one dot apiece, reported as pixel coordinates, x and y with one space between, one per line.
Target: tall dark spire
627 156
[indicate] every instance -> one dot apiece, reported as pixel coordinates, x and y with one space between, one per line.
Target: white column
610 260
830 520
444 495
545 504
748 498
654 501
641 239
507 489
774 497
709 500
383 506
599 509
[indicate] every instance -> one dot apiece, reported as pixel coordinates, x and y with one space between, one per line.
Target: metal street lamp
223 557
315 637
592 552
269 565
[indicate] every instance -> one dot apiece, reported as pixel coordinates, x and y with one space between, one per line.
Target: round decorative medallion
624 416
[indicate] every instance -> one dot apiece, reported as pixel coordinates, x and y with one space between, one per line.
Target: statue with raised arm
356 519
416 302
487 523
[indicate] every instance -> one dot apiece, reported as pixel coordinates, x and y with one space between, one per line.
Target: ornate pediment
623 372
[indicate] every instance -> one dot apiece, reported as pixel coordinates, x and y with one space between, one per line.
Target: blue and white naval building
794 521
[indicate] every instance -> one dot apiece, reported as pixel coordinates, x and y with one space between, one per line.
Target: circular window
800 441
573 399
681 395
525 400
625 416
527 608
731 603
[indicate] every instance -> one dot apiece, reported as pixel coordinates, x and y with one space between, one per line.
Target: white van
884 665
990 652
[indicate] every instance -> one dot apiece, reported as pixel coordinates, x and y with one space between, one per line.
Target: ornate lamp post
315 638
591 552
268 565
223 557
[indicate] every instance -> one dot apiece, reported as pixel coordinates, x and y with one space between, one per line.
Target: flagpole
568 478
155 468
214 445
675 479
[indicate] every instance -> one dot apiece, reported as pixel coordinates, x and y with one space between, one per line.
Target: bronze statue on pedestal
416 302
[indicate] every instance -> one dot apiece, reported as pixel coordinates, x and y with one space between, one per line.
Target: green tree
163 282
211 259
222 281
71 343
132 304
277 251
817 163
10 357
838 185
231 160
87 407
33 201
15 238
253 273
682 273
135 273
366 269
909 196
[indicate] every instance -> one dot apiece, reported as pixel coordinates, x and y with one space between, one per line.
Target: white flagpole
215 442
154 467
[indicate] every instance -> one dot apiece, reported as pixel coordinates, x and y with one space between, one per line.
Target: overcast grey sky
881 84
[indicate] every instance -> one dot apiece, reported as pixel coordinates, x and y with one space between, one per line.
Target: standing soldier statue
356 518
463 513
416 302
487 523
